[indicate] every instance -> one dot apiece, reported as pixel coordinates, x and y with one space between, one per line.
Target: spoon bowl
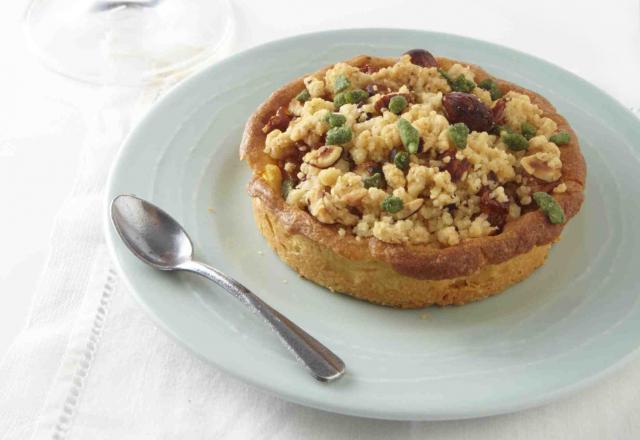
150 233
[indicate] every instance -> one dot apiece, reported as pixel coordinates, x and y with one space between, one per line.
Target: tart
411 181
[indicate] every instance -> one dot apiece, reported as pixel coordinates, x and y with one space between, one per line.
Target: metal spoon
158 240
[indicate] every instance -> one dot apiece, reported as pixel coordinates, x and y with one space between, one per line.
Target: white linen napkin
91 365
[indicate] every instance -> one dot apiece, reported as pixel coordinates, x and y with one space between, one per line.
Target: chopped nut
323 157
544 166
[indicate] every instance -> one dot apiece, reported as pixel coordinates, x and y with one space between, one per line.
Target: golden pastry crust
299 237
377 282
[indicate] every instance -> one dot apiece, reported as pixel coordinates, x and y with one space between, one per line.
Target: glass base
126 42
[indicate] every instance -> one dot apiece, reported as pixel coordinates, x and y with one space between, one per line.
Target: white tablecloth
91 365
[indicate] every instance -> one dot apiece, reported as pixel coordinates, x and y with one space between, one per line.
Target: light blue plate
564 327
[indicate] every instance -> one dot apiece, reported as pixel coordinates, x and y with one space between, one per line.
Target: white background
43 117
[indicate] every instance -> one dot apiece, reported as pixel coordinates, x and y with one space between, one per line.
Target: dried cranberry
457 168
498 112
467 108
422 58
496 212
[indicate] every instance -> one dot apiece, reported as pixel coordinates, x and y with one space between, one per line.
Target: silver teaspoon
158 240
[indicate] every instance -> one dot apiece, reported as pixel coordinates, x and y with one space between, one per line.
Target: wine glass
126 42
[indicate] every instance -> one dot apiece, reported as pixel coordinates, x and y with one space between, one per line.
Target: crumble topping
412 153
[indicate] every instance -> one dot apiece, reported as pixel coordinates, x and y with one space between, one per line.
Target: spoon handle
323 364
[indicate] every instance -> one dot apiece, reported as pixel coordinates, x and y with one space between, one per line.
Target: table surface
44 117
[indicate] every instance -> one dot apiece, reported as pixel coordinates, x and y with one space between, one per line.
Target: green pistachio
341 83
335 119
303 96
392 204
458 135
514 141
376 180
397 104
355 96
491 86
459 84
409 135
550 207
401 160
338 135
528 130
560 138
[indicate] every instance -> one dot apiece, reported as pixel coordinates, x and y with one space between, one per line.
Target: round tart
411 181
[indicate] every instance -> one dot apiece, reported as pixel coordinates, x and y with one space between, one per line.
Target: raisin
467 108
422 58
